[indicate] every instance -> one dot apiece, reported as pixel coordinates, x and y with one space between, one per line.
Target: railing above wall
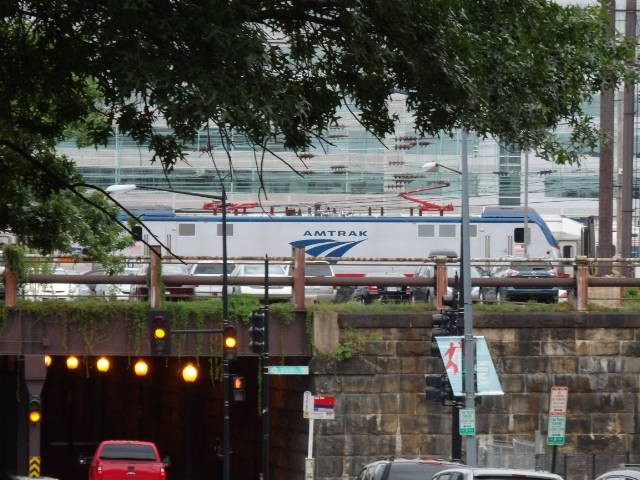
578 276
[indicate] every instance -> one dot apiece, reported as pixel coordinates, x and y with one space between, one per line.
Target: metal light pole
468 360
226 374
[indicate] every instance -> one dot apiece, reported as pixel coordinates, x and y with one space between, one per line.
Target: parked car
384 293
623 472
178 292
523 293
428 294
209 268
462 472
403 469
120 291
49 291
115 459
319 268
256 269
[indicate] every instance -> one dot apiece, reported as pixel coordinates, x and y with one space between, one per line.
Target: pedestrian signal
237 385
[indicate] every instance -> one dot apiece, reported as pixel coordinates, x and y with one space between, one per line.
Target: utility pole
605 202
624 230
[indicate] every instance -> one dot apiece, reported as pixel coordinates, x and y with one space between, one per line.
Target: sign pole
309 463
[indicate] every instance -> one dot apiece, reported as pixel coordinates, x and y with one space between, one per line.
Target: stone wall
381 410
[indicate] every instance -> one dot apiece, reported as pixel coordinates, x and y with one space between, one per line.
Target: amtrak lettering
326 247
335 233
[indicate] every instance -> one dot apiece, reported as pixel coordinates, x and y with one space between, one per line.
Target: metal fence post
441 280
582 283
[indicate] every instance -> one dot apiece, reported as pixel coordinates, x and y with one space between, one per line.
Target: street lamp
226 375
468 361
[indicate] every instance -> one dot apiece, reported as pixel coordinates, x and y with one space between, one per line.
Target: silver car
279 292
209 268
623 472
476 473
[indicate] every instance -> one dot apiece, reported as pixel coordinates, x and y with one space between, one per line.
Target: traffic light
35 409
258 331
237 386
160 333
439 389
230 342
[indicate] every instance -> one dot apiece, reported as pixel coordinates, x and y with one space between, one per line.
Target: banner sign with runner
486 376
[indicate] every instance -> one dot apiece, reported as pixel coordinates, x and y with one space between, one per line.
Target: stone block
612 423
606 296
600 365
606 334
380 348
512 383
330 446
515 349
326 333
522 365
563 365
558 348
598 348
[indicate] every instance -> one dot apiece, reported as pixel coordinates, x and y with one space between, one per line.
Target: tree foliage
277 70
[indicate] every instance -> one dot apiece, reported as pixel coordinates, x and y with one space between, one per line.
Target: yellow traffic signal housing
160 333
35 409
230 342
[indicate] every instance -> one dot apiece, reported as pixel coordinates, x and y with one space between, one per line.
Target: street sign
307 404
558 402
288 370
324 407
321 407
557 415
557 425
467 421
486 376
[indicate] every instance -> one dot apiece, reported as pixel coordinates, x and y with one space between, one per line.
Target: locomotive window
447 230
567 251
426 230
473 230
187 229
229 230
518 235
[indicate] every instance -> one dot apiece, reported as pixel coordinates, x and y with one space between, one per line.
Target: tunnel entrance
81 407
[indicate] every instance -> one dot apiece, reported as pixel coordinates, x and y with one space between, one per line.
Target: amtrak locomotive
497 233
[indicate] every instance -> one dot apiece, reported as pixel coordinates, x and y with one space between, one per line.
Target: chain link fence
521 454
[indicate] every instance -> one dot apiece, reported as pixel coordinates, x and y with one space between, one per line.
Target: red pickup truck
127 459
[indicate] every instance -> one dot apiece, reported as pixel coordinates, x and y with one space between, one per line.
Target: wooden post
298 278
441 280
155 292
11 287
582 283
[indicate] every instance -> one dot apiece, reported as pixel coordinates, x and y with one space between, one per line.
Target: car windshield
255 270
211 269
412 471
174 268
317 270
128 451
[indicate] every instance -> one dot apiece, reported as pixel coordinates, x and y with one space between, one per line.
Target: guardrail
578 277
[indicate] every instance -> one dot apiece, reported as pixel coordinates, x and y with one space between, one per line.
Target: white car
209 268
119 291
319 268
276 292
46 291
478 473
